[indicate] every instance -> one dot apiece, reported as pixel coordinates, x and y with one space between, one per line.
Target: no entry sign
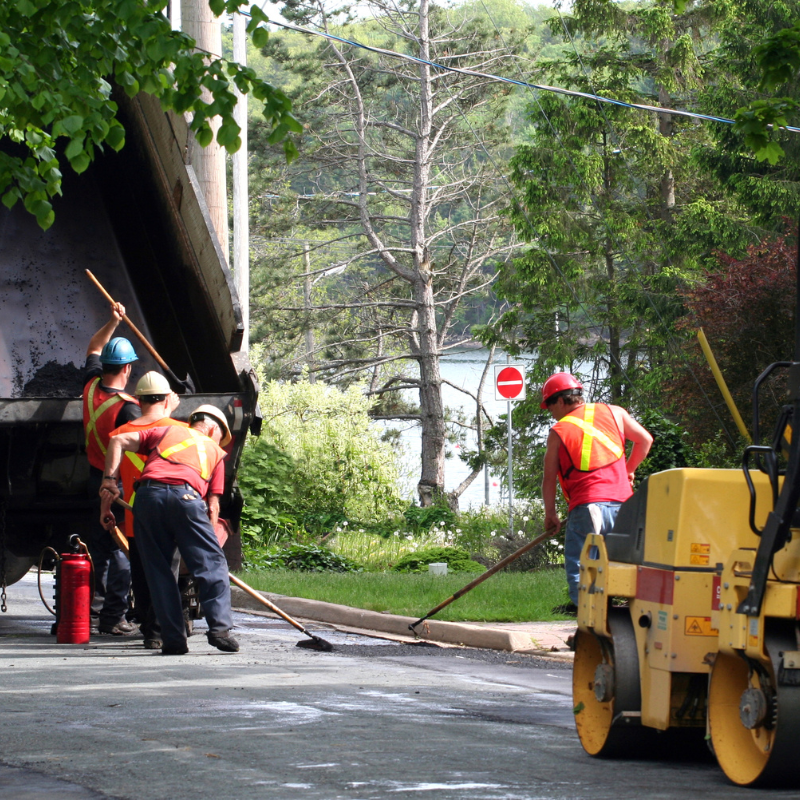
509 382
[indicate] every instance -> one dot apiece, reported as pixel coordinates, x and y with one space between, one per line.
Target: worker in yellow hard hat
157 401
177 504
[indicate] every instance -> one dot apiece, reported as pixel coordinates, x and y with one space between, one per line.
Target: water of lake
464 370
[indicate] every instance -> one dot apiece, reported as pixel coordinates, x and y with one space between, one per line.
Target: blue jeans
579 526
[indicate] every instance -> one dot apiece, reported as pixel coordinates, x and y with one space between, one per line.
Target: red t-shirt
159 469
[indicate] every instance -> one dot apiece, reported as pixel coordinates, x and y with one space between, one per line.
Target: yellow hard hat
218 417
152 383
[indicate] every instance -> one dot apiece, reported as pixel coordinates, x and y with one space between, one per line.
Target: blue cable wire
501 79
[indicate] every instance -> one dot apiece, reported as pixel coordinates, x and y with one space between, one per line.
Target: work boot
121 628
174 649
152 644
223 641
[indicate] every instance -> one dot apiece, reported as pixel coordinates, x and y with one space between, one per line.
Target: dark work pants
167 516
143 603
112 570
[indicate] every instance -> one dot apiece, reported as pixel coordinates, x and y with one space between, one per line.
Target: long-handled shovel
176 381
481 578
314 643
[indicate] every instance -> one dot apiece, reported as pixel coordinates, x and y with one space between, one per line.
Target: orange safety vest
130 469
100 409
190 448
591 437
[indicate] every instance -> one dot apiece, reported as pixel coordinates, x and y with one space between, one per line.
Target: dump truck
138 221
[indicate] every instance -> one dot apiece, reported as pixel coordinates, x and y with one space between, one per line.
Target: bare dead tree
398 158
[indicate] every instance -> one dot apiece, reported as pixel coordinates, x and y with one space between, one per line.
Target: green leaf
257 14
278 134
217 6
771 152
260 37
10 197
290 151
204 135
74 148
116 137
46 219
71 125
26 7
294 125
80 162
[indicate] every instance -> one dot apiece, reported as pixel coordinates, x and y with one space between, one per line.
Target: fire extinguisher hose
39 576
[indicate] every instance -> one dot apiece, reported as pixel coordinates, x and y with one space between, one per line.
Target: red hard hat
559 382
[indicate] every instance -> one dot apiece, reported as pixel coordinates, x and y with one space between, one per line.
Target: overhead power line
501 79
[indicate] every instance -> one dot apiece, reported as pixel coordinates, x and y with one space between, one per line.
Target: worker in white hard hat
177 503
157 401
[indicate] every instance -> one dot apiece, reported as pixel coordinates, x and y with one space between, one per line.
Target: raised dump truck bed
137 220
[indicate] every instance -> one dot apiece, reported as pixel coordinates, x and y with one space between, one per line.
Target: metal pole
241 211
510 473
309 335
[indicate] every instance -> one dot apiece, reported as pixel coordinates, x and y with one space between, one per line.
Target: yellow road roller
688 615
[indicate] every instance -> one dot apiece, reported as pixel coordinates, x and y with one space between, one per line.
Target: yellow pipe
723 387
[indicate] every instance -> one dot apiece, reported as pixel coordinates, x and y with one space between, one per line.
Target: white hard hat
218 417
152 383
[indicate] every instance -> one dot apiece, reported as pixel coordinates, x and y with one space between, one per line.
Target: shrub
303 557
456 558
266 478
420 518
342 470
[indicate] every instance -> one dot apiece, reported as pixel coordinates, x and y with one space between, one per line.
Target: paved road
372 720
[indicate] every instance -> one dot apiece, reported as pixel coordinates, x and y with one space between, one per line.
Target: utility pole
309 334
199 22
241 205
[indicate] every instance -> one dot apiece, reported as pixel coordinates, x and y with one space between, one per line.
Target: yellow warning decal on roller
700 547
699 626
698 560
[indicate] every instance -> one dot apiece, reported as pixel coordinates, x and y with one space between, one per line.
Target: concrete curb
433 630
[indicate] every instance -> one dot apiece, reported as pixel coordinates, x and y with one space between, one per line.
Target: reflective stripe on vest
95 414
138 464
595 448
206 453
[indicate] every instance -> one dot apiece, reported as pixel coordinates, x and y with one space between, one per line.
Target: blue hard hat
118 351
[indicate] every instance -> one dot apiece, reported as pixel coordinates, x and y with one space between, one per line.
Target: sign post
509 385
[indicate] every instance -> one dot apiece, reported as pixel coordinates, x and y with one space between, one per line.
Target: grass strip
505 597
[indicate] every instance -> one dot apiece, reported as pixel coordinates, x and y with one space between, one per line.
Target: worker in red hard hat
586 455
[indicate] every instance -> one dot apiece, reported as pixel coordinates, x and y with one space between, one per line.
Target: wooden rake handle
127 319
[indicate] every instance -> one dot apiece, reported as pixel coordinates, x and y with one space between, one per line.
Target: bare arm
103 336
549 482
640 436
213 509
117 445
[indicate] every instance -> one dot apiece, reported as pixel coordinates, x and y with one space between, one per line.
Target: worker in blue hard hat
106 406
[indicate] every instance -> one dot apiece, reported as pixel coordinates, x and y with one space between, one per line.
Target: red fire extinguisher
73 594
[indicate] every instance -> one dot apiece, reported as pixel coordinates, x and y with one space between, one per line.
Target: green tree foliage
59 63
749 69
399 179
333 465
